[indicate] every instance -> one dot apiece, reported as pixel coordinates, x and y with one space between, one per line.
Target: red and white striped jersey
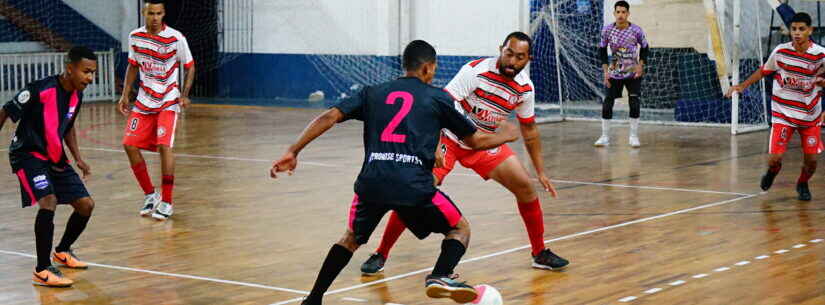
159 57
796 97
487 97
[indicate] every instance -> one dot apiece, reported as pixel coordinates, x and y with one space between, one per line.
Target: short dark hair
416 53
802 17
520 36
623 4
154 2
78 53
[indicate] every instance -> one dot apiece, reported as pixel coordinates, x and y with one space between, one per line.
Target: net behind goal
680 85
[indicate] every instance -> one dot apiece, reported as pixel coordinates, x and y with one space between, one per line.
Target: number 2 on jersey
389 135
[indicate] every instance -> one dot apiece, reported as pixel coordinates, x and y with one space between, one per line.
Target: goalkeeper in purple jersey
629 47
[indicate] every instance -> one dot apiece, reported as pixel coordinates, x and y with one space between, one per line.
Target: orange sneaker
68 260
51 277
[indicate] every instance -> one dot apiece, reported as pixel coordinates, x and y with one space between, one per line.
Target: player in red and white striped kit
158 52
795 103
489 90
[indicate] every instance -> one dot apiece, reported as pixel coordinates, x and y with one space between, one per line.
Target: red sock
143 179
394 229
534 221
804 176
168 184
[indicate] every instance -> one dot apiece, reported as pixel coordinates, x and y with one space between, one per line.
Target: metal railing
19 69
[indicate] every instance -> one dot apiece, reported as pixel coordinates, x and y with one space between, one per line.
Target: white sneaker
634 142
602 141
150 202
163 212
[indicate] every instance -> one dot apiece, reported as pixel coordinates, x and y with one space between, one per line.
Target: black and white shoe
549 260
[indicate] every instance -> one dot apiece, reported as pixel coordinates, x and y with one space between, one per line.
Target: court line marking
459 174
570 236
702 275
177 275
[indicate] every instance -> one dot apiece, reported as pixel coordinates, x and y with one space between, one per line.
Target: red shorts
781 134
147 131
481 161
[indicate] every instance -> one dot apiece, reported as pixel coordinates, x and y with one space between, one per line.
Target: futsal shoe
602 141
549 261
51 277
374 264
307 301
804 192
634 142
150 202
163 212
447 287
767 181
69 260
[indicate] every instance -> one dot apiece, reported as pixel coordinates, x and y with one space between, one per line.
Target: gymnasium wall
291 37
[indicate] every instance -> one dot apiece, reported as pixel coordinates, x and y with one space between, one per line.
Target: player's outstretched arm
755 77
131 76
187 86
3 117
71 143
316 128
481 140
532 141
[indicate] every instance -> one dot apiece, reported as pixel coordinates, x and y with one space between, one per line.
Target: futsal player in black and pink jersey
402 123
490 90
45 112
796 101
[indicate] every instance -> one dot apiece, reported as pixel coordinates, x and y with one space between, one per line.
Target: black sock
336 260
75 226
43 234
451 252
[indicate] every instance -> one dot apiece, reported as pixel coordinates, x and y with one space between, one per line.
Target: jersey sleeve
526 111
464 82
21 102
184 54
452 119
353 106
641 38
605 37
132 58
770 65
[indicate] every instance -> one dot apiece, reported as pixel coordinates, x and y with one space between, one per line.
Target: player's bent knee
48 203
85 206
349 241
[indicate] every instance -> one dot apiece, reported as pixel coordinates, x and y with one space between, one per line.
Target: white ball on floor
487 295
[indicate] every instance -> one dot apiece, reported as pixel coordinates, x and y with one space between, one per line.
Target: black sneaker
804 192
307 301
549 260
767 180
447 287
374 264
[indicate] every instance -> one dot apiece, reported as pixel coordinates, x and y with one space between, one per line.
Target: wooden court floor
679 221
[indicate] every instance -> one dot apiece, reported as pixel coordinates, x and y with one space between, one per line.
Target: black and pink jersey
402 123
45 113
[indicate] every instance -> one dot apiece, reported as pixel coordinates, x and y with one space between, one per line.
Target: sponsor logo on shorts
494 151
811 141
40 182
161 131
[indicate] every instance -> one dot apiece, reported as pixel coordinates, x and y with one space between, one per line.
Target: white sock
605 128
634 127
